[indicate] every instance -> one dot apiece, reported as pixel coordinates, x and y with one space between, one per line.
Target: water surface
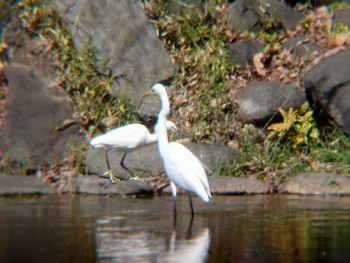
130 229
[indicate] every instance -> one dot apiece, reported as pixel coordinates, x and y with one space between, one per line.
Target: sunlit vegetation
206 84
87 80
203 101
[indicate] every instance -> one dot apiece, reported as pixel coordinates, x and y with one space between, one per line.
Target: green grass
195 41
273 161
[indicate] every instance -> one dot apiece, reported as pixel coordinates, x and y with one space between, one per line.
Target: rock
147 158
327 86
249 15
342 16
318 184
241 16
29 132
212 154
300 48
236 185
96 163
96 185
222 185
280 12
314 4
259 102
14 185
121 31
242 52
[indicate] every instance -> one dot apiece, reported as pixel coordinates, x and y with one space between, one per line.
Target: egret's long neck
162 133
165 110
162 118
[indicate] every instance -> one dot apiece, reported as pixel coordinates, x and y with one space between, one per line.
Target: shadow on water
128 229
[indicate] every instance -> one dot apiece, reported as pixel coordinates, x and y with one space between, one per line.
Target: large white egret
126 139
181 166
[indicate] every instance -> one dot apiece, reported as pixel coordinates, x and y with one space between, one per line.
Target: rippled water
129 229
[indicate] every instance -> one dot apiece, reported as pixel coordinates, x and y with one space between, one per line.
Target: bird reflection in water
121 243
194 249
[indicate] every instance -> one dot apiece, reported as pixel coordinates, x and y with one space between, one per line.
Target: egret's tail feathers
206 196
94 142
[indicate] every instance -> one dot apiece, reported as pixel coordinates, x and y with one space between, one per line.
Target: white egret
181 166
126 139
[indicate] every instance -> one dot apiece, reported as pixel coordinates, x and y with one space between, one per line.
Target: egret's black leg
107 160
133 176
175 212
124 166
109 171
192 213
189 231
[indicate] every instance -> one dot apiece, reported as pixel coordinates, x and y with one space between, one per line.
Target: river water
141 229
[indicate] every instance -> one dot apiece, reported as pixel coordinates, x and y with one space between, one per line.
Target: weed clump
195 40
86 80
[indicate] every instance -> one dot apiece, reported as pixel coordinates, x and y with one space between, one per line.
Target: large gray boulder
147 160
121 31
29 133
327 86
249 15
259 102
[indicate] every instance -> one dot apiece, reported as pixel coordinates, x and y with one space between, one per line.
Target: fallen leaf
339 40
259 66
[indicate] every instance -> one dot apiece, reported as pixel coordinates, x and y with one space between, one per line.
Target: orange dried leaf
259 66
339 40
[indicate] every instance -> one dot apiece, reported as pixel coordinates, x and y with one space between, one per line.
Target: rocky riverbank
305 184
41 127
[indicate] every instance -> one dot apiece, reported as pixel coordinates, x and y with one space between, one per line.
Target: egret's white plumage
126 139
191 180
181 166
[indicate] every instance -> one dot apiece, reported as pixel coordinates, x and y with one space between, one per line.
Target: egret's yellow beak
147 93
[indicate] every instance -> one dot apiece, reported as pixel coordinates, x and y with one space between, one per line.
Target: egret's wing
125 137
200 166
206 168
185 169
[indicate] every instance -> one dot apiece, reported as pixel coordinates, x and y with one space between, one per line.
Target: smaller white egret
126 139
181 166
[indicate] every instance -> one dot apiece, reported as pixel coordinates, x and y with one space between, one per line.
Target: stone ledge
305 184
31 185
222 185
96 185
316 184
17 184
